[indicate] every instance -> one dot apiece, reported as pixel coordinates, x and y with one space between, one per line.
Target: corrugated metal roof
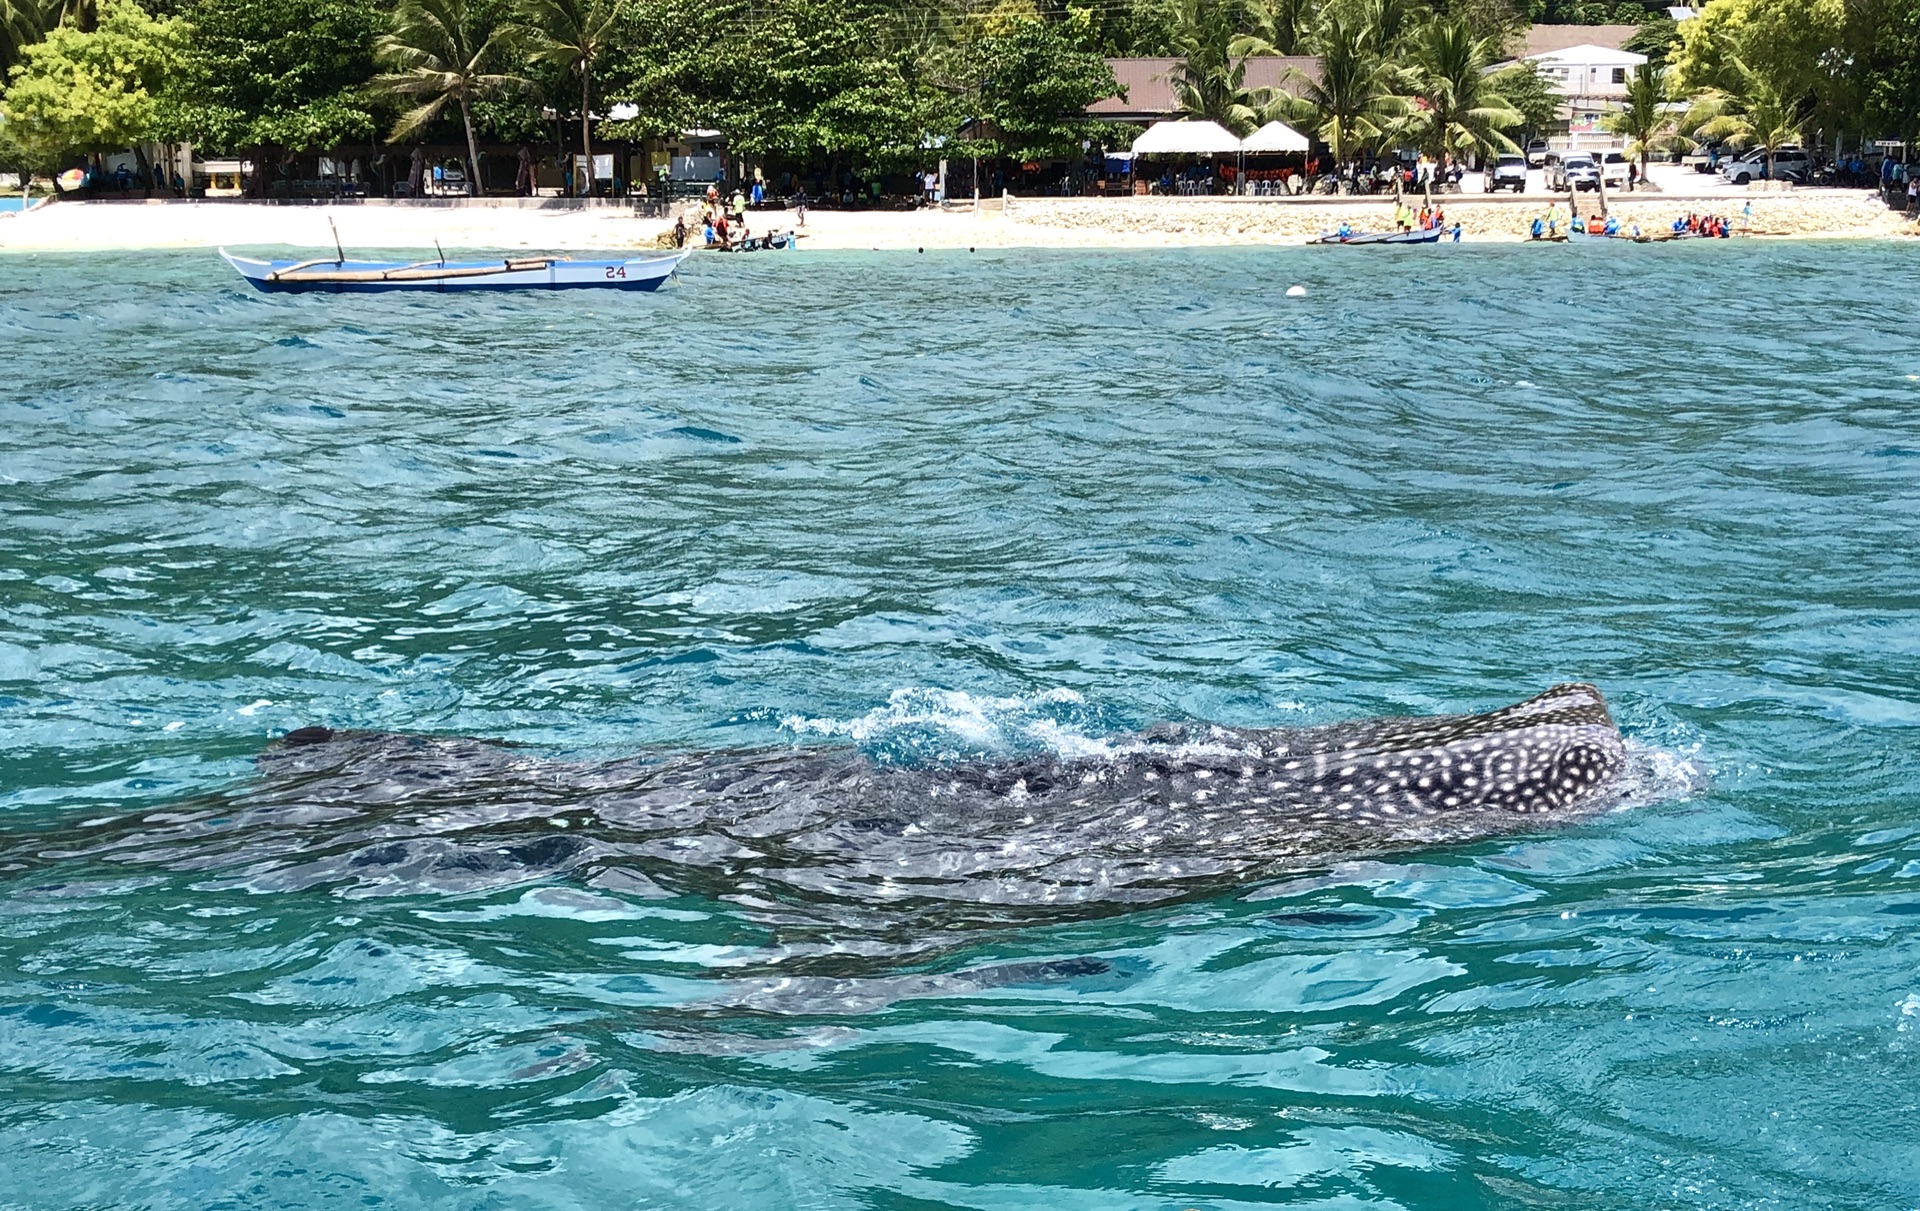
1546 39
1147 89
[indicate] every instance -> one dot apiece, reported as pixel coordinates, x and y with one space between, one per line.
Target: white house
1592 79
1588 71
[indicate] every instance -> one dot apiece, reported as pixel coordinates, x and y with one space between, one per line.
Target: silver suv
1572 170
1789 164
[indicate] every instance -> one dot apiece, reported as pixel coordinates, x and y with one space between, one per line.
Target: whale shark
831 837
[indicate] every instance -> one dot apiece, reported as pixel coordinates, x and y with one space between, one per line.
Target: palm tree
1280 27
1390 24
1751 111
1642 118
22 22
1460 111
572 35
1210 80
439 52
1355 102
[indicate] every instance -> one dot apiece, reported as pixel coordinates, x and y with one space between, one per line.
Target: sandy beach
1134 222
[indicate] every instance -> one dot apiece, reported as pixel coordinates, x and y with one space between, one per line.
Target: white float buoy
1296 292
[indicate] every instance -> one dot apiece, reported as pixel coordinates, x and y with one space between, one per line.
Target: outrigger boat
338 275
1382 237
776 241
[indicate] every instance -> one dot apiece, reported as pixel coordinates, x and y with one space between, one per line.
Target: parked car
1536 153
1613 167
1789 164
451 178
1507 172
1572 170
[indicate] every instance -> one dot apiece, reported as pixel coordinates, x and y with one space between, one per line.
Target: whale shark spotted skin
829 834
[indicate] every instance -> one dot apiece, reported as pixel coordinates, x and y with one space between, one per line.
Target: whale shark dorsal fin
1568 702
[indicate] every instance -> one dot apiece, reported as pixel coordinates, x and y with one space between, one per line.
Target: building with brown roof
1146 84
1552 39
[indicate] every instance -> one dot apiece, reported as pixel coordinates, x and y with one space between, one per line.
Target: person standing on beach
800 207
523 176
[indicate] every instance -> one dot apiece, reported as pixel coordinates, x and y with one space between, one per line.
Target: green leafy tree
821 79
94 91
291 74
1034 87
1658 38
1128 27
573 36
1884 46
441 53
1784 42
1459 110
1501 21
1355 103
1643 118
1210 78
803 81
1528 90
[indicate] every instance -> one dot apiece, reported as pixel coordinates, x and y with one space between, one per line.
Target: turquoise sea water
969 504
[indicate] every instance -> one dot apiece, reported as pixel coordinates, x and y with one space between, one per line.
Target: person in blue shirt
1539 227
1346 229
1613 225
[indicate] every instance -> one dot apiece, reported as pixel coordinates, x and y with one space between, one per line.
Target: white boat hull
377 277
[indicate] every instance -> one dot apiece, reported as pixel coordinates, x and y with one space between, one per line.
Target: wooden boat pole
341 252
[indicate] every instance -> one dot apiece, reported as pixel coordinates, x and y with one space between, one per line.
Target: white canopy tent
1186 139
1274 136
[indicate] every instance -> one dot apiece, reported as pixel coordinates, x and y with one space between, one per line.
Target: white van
1613 170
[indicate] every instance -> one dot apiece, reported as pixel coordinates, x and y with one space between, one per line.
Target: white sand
90 226
1021 222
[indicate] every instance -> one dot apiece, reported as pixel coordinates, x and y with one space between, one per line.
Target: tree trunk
473 151
586 128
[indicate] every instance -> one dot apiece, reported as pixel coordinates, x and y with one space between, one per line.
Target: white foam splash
977 721
979 724
1657 774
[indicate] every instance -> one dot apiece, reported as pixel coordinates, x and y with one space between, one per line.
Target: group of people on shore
1427 218
723 221
1714 226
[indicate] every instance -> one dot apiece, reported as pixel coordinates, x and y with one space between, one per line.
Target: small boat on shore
338 275
775 241
1381 237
